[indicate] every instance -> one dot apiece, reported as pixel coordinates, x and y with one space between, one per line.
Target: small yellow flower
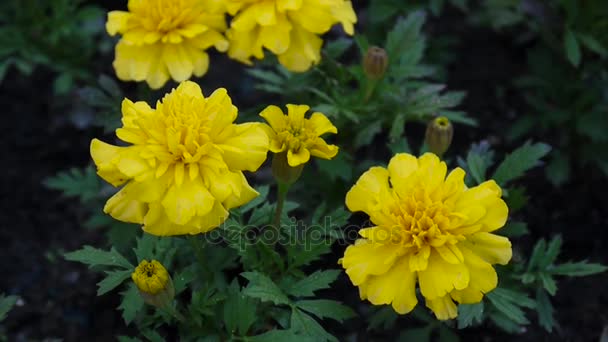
428 229
288 28
166 38
183 171
151 277
298 136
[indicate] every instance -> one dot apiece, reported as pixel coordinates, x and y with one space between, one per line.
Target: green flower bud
375 62
439 133
281 170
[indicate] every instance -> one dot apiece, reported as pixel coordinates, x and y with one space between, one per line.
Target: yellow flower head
288 28
151 277
183 171
429 230
297 136
162 38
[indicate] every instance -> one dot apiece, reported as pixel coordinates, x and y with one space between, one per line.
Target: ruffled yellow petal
295 158
123 207
443 307
441 277
303 52
365 194
117 22
364 259
321 124
483 279
246 148
397 287
491 248
275 118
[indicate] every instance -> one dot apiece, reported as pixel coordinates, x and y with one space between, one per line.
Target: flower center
424 221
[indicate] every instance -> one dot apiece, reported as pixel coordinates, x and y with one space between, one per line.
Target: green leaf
339 167
470 314
263 288
367 133
514 229
152 336
325 308
145 247
545 310
477 167
592 44
551 253
519 161
183 278
335 49
558 170
302 323
458 117
112 280
416 334
94 257
128 339
6 304
383 319
263 190
537 254
548 283
316 281
81 183
403 35
239 310
279 335
397 127
509 303
131 303
573 50
577 269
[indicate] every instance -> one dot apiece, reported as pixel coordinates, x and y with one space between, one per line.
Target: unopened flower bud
154 283
375 62
281 170
439 133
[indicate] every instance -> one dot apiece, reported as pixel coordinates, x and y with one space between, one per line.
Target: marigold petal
323 150
182 203
304 50
275 117
117 22
400 168
246 194
106 157
483 279
124 207
366 258
246 149
178 61
490 247
345 14
443 307
283 5
366 192
397 287
321 124
299 157
440 277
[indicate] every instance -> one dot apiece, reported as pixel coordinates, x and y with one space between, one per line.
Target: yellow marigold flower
154 283
288 28
429 230
162 38
183 171
151 277
298 136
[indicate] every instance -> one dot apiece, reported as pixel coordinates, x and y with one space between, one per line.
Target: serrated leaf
366 134
469 314
145 247
239 310
263 288
93 257
112 280
577 269
316 281
6 304
403 35
302 323
81 183
383 319
573 50
131 303
339 167
551 253
519 161
263 190
537 253
397 127
548 283
477 167
152 336
183 278
505 323
325 308
509 303
545 310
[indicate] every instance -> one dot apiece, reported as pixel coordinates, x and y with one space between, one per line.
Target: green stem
370 86
198 247
282 190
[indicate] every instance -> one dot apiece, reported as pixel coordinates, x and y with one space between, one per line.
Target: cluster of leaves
279 300
60 35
